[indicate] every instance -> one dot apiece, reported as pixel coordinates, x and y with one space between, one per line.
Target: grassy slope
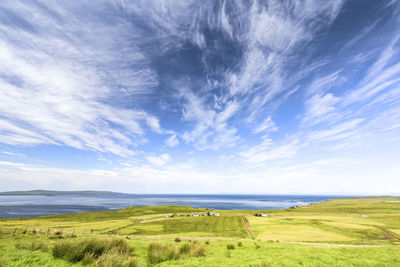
325 234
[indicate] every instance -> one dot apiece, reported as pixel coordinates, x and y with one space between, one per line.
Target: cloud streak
243 92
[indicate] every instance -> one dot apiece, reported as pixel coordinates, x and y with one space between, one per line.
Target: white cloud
318 106
53 85
267 125
172 141
159 161
12 154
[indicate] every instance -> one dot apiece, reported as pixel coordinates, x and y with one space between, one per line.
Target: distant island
58 193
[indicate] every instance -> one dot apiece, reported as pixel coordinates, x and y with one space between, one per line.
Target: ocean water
31 206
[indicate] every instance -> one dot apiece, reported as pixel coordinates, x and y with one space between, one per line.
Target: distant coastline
19 204
56 193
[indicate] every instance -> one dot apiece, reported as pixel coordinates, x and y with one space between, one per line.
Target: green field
338 232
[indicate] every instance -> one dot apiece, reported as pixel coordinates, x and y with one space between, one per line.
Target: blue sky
200 96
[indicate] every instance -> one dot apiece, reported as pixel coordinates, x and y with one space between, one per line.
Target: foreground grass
340 232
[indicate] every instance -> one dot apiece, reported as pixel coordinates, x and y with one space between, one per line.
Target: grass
157 253
90 248
332 233
34 245
230 246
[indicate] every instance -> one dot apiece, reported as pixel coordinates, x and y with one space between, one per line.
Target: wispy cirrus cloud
59 81
253 92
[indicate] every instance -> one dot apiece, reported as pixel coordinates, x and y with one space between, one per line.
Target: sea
22 206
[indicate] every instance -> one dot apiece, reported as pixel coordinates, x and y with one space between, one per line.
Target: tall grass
89 248
157 252
34 245
194 249
110 260
132 262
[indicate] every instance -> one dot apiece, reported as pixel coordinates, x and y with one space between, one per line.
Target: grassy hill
338 232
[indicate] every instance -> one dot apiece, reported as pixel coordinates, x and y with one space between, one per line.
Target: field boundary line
248 226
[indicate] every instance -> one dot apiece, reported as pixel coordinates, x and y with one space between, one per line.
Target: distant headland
58 193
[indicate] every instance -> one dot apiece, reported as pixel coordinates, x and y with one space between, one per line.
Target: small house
264 214
196 215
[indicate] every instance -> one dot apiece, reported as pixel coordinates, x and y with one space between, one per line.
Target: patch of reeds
34 245
76 251
132 262
157 253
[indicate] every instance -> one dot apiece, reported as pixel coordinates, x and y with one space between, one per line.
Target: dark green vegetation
340 232
75 251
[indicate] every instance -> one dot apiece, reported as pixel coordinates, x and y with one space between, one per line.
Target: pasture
338 232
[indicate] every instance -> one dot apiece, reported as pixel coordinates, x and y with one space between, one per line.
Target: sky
200 96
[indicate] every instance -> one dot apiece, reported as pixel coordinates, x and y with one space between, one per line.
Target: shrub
257 246
230 246
240 244
207 242
177 239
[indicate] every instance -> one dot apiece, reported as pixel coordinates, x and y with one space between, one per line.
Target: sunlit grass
341 232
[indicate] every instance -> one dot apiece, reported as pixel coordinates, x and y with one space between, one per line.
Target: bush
32 246
240 244
177 239
230 246
76 251
257 246
207 242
